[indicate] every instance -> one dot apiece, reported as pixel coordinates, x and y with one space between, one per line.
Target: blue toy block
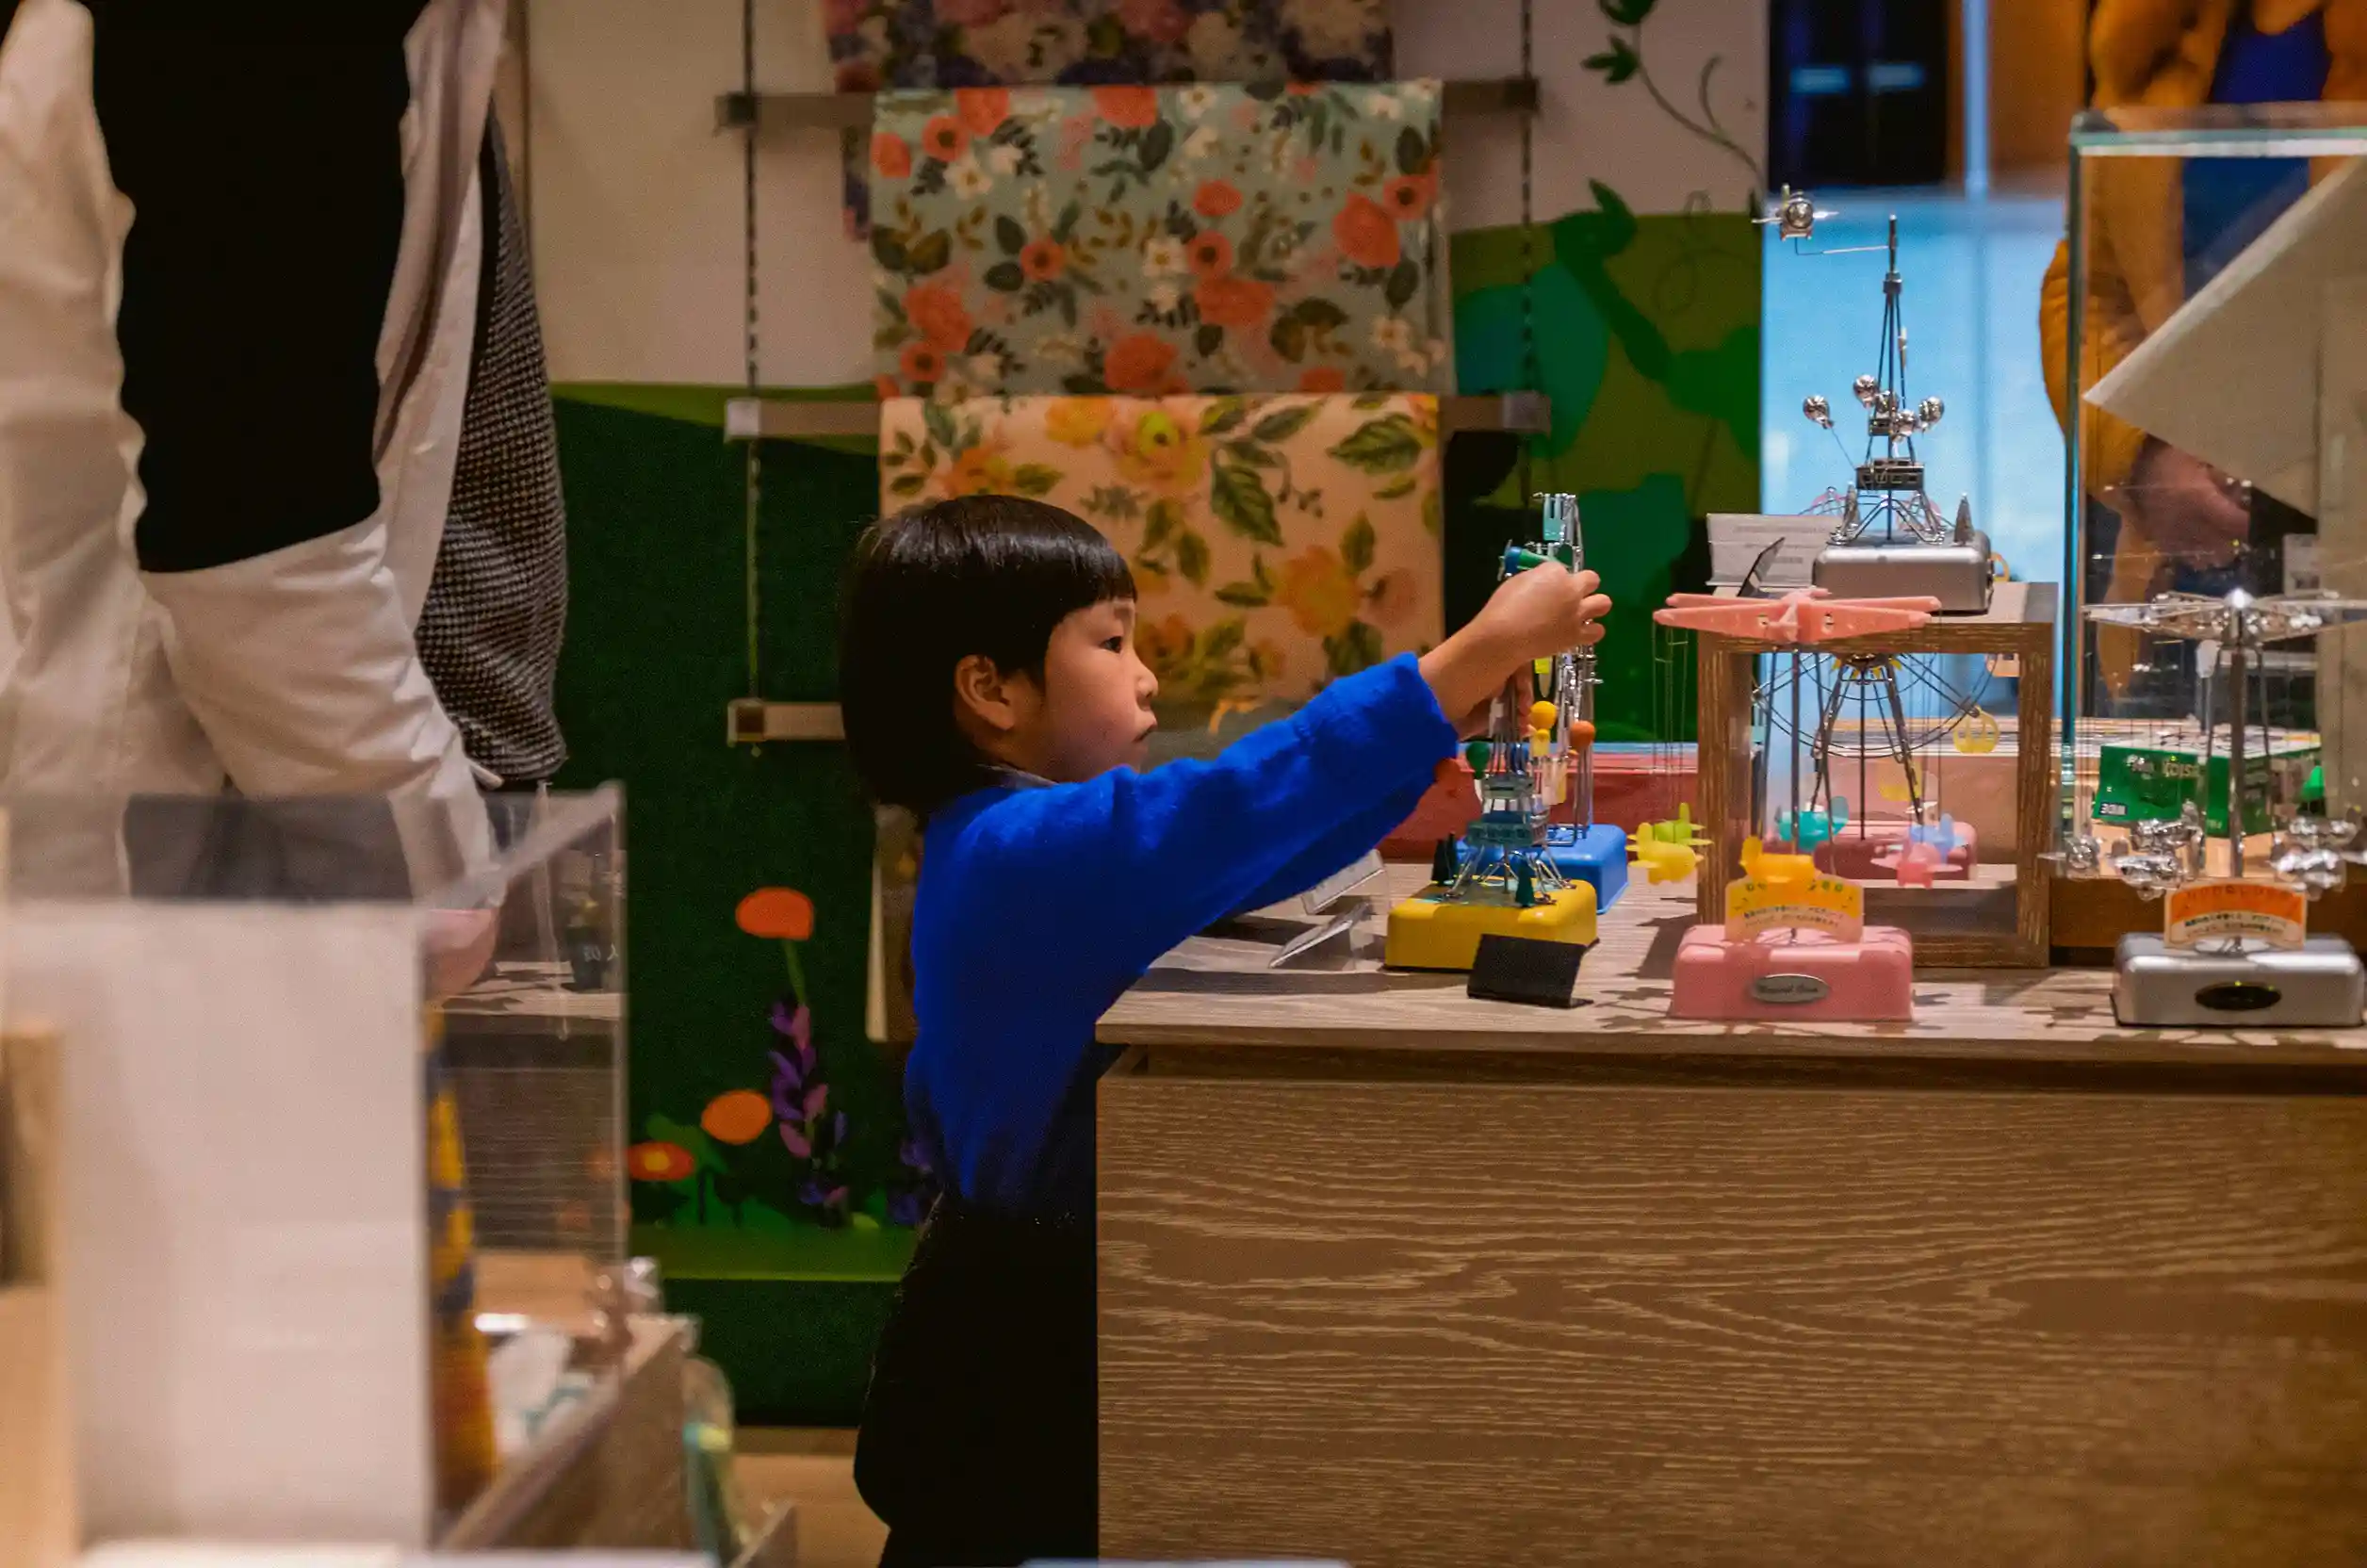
1598 857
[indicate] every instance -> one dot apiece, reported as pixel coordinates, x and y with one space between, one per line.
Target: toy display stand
1799 976
1596 856
1892 852
2321 985
1795 946
2237 954
1433 930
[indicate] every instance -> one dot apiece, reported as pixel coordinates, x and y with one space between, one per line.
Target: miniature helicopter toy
1793 215
2285 978
1515 873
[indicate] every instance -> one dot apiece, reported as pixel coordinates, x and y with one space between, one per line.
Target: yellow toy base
1425 933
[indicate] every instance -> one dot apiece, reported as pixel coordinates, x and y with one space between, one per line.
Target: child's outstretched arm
1120 868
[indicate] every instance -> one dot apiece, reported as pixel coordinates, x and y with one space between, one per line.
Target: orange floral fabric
1144 241
1276 542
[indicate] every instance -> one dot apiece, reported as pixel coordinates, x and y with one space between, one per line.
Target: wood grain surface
1415 1325
1214 990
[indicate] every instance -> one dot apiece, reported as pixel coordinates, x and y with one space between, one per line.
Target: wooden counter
1396 1277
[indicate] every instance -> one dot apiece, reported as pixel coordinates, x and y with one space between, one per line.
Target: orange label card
2258 911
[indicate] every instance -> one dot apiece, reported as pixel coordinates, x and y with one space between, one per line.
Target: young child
990 684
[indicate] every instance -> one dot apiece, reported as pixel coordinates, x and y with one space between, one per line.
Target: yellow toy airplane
1668 851
1776 870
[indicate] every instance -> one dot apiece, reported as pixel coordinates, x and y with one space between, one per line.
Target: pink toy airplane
1803 615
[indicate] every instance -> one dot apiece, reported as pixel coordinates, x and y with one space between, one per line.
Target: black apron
979 1440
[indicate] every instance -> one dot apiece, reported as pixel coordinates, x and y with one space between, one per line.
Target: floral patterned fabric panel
1154 241
1276 542
949 43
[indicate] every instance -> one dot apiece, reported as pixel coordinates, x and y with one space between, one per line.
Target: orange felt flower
1319 591
1138 363
1407 197
1366 235
1210 255
1132 108
921 365
940 317
944 139
736 1117
783 914
886 387
659 1162
1077 421
982 110
1216 199
1322 378
981 471
1042 259
892 156
1232 302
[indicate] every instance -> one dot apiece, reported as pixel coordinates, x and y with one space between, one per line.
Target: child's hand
1541 611
1538 612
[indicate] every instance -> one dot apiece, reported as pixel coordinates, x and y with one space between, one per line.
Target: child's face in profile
1094 711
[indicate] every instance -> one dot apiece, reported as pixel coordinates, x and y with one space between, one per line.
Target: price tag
2214 911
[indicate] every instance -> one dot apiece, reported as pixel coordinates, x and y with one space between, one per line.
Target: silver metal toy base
2321 987
1956 574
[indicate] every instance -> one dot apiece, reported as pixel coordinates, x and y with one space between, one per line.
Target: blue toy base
1597 858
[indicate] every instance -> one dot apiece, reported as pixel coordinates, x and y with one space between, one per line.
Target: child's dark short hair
987 575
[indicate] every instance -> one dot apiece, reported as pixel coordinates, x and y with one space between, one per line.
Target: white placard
244 1237
1739 540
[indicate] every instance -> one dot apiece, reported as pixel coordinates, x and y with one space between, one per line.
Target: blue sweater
1039 905
2230 202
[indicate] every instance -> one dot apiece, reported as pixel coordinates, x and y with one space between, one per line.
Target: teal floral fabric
1157 240
878 44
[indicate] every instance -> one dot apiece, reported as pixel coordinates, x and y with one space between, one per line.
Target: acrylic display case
341 1100
2209 325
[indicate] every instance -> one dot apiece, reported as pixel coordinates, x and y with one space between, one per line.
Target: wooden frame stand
2018 624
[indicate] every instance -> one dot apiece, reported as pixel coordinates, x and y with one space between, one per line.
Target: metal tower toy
1891 539
1515 873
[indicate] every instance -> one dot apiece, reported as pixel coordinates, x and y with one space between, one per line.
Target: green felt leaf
1238 497
1191 559
1282 424
1388 444
1356 545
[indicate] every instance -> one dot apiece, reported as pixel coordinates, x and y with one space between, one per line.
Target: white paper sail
2232 377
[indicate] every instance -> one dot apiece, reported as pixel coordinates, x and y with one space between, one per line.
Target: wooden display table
1394 1277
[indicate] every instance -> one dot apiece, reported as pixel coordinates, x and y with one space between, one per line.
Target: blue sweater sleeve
1120 868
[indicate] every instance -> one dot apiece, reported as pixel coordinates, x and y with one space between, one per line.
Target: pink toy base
1866 981
1853 851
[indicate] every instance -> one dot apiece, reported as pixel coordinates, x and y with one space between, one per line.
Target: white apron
288 674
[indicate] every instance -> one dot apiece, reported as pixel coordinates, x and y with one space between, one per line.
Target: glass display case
2209 324
343 1098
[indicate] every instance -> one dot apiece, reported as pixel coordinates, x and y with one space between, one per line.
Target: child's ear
984 693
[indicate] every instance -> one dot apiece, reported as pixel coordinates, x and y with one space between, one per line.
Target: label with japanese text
2215 911
1826 903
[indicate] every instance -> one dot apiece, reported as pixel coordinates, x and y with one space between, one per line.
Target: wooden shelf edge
841 111
751 720
774 420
